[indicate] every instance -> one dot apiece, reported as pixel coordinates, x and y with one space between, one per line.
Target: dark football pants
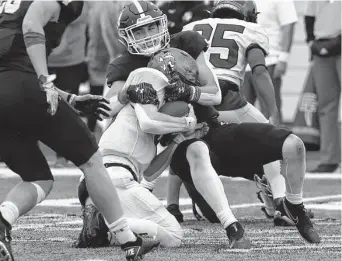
248 89
327 79
25 121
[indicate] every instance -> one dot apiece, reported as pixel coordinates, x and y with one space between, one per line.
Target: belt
108 165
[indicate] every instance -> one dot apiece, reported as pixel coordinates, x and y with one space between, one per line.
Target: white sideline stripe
72 172
278 247
73 202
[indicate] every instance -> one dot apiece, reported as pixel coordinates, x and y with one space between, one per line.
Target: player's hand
52 96
142 93
180 91
95 105
191 119
279 69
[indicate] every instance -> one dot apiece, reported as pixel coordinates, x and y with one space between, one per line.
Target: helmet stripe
139 8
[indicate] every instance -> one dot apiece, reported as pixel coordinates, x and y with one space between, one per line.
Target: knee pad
82 192
41 195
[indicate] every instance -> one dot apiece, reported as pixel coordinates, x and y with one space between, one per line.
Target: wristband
283 57
195 93
189 122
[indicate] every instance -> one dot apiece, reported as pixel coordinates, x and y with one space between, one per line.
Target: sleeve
256 37
286 12
116 72
191 42
70 10
310 9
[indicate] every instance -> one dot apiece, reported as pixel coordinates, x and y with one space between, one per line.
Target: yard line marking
74 202
262 248
75 172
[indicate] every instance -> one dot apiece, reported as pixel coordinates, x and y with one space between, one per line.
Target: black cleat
136 250
280 216
174 210
236 235
300 218
5 240
95 231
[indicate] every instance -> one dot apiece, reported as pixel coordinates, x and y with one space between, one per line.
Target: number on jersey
9 6
231 47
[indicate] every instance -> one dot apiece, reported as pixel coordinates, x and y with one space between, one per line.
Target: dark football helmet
243 10
176 65
138 14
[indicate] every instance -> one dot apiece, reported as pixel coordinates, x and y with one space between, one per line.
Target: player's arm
210 90
265 88
115 99
154 122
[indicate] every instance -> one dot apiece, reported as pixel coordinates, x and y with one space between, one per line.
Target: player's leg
192 163
174 184
145 213
80 147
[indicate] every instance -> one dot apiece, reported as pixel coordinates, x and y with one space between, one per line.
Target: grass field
47 232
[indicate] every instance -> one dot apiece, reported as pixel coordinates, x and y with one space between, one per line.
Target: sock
148 185
226 218
294 199
9 212
276 180
122 231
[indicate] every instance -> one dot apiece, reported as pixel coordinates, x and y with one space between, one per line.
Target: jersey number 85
232 48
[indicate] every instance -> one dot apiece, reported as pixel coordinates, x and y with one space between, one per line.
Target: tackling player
232 145
143 28
235 40
32 109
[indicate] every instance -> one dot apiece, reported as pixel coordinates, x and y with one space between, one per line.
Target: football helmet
243 10
141 14
176 65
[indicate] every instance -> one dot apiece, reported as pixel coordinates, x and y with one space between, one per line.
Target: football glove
91 105
142 93
52 96
180 91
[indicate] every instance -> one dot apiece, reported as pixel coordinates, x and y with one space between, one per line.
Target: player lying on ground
143 37
235 40
128 148
32 109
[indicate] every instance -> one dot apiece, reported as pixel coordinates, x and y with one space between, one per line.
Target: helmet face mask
143 29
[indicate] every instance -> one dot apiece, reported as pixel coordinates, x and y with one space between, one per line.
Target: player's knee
196 152
43 188
293 148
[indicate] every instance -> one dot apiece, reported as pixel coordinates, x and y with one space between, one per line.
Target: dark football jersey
13 55
119 69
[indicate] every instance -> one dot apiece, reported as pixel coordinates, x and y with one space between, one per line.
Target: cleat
136 250
299 216
236 235
280 217
265 195
5 240
95 231
174 210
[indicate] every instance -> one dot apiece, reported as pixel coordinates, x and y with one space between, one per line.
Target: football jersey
229 41
124 137
13 55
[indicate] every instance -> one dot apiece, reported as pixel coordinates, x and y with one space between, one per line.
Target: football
175 108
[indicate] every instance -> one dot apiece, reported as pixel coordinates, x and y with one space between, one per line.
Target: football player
143 28
233 145
235 40
32 109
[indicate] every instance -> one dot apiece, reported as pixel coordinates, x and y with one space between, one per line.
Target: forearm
287 37
115 105
265 89
210 95
160 123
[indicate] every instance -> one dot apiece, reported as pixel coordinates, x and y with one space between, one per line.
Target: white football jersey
124 136
229 39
